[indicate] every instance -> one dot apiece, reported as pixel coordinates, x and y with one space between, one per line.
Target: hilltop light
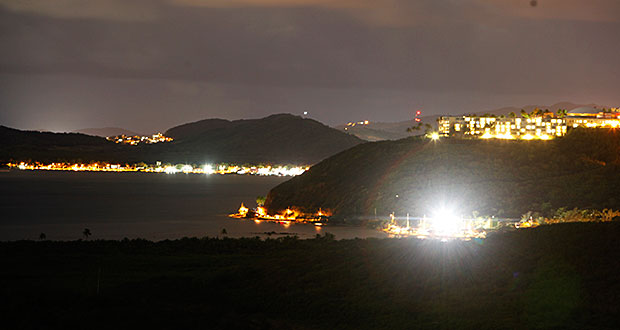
435 136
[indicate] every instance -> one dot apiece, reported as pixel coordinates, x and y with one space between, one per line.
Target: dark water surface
147 205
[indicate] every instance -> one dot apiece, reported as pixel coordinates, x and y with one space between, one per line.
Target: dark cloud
247 58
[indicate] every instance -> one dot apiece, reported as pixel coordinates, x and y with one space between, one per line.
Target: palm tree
428 128
536 112
414 128
490 125
86 233
524 114
512 115
561 113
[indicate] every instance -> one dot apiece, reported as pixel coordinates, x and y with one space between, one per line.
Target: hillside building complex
542 126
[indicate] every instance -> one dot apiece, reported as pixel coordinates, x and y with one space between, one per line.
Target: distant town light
187 168
170 170
435 136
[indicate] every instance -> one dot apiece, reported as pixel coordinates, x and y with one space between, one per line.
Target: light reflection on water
145 205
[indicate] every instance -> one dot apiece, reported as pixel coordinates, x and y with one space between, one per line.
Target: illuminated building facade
593 118
542 127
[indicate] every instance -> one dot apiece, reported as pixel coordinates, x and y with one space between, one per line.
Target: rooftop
584 111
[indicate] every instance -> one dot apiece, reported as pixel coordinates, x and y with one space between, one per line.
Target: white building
540 127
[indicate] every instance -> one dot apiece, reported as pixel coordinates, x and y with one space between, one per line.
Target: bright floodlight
208 169
435 136
446 223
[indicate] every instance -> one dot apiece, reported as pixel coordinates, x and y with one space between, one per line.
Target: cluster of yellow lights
508 136
353 124
170 169
287 216
607 123
137 139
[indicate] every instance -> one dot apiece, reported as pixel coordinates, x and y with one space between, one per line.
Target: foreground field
553 276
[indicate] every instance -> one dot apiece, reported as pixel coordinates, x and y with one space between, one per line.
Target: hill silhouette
491 177
107 131
281 138
18 145
277 139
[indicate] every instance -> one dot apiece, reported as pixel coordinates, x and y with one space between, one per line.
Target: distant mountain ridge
18 145
107 131
277 139
379 131
554 107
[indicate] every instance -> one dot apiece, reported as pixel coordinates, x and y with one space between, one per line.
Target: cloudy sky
147 65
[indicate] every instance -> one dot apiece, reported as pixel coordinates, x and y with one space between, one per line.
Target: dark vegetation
561 276
281 138
277 139
490 177
47 147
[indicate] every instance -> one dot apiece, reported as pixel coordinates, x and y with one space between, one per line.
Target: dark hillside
277 139
52 147
492 177
282 138
190 130
552 277
107 131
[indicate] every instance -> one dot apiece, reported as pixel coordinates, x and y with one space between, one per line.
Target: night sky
147 65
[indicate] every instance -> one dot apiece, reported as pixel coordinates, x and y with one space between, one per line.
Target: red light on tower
417 113
417 119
